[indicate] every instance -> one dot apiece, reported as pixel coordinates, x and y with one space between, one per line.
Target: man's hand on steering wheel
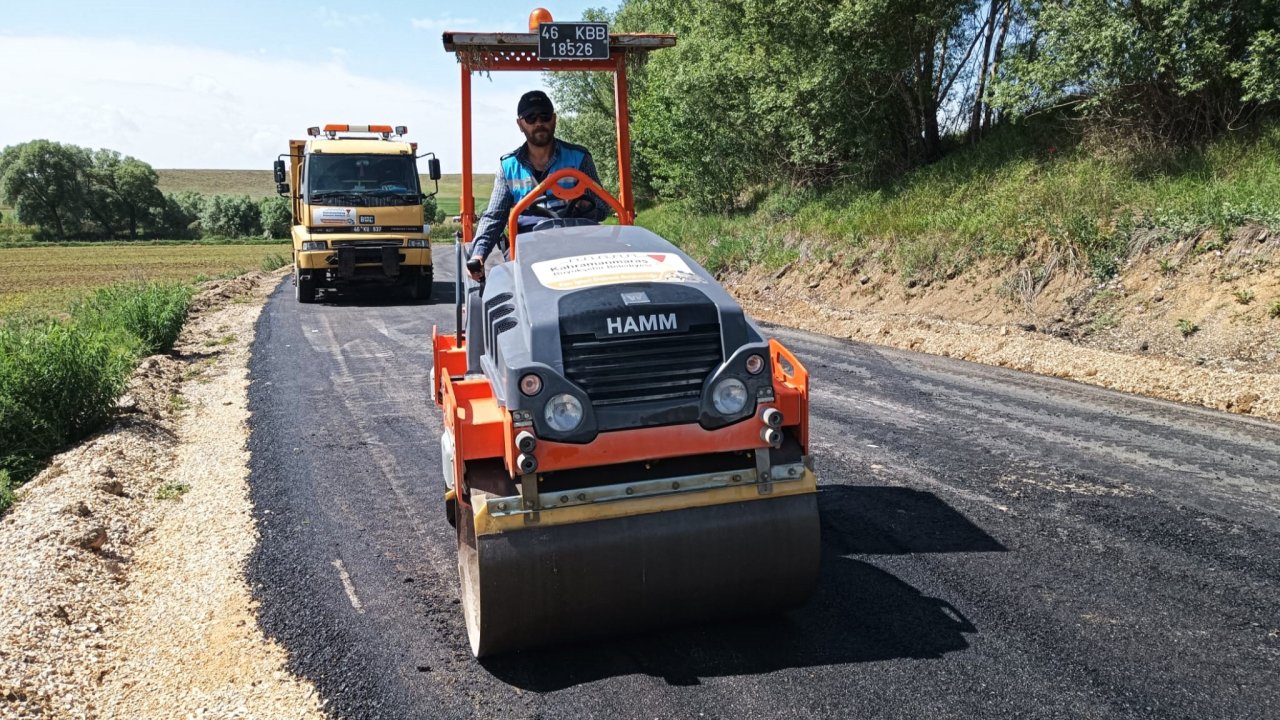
582 207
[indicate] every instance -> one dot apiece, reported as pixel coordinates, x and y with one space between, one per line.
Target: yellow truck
357 210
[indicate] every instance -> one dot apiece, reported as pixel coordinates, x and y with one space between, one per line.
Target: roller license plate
573 41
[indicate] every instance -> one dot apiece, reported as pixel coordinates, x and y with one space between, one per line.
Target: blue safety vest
519 175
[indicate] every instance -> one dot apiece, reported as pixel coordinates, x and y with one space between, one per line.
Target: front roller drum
549 585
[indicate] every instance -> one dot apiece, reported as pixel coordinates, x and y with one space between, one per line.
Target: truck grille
669 366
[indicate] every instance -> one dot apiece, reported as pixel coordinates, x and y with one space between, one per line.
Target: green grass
45 279
60 376
1003 198
260 183
7 487
172 490
273 261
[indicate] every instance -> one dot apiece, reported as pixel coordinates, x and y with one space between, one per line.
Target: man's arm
494 219
601 209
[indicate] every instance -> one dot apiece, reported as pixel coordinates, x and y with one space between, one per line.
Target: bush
275 214
150 315
230 216
58 381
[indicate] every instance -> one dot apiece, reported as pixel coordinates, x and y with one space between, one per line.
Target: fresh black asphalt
996 545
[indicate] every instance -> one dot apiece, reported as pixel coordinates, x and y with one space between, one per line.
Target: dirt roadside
1196 321
122 593
122 590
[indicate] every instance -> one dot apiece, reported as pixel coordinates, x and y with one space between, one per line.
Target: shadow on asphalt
442 293
858 613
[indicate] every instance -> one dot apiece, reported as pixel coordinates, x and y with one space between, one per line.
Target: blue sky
184 84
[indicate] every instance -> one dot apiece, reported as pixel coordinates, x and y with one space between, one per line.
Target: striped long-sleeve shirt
516 178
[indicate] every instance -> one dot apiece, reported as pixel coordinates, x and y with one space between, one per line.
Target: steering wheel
539 207
551 185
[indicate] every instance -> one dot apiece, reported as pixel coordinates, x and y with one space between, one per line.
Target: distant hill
259 183
254 183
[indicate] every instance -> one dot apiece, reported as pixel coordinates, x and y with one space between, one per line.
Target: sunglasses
532 118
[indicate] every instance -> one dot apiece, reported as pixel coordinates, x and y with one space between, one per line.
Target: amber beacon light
539 15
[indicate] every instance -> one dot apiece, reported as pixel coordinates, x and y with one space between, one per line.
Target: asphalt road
995 545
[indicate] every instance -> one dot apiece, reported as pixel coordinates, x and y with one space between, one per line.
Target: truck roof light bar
386 131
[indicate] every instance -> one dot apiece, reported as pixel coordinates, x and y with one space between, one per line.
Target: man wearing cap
525 167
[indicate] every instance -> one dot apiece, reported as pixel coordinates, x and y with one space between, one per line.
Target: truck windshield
362 180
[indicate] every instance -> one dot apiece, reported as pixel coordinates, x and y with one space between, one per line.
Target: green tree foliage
128 190
275 216
179 219
430 210
44 182
230 216
73 192
1178 69
800 93
1259 69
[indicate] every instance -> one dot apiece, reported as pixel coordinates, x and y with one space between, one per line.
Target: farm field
258 184
47 279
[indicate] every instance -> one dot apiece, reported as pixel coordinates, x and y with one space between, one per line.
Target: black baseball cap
534 101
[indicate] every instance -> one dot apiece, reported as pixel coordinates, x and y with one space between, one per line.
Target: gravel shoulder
123 592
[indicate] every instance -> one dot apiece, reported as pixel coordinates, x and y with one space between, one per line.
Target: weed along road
994 545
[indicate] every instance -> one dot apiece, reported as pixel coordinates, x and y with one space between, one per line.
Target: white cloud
441 23
184 107
337 19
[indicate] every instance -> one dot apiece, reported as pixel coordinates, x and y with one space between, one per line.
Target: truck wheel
421 285
304 287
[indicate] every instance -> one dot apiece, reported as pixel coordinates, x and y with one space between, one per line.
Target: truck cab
357 206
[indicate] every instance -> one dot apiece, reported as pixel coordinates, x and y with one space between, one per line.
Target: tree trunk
931 139
995 64
975 122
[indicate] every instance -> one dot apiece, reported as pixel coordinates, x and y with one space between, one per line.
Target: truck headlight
315 245
417 242
563 412
729 396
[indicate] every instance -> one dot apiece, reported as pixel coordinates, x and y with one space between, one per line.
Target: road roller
622 447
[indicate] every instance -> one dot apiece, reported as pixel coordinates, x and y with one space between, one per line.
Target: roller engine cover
618 317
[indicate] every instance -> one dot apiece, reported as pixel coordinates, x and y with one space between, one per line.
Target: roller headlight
419 243
315 245
564 412
729 396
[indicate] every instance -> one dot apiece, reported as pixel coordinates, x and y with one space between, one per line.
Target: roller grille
668 366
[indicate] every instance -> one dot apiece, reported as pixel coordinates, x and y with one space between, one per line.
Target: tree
275 216
431 210
72 192
230 216
44 182
127 189
179 219
798 92
1177 69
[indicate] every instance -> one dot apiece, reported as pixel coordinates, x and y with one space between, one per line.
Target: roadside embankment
121 590
1177 321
